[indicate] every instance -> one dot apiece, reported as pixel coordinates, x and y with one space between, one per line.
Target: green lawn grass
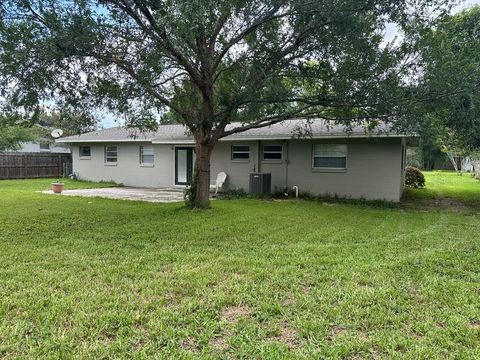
448 185
93 278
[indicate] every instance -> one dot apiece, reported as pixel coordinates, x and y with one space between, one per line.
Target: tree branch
158 34
256 24
128 68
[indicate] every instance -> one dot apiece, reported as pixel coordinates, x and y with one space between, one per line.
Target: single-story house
314 155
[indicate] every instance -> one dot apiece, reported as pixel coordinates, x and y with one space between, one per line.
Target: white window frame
107 156
272 152
142 149
343 153
240 152
80 152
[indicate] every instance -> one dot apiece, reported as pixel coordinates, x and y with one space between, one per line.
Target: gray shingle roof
171 134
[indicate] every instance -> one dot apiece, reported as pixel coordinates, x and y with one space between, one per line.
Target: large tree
445 93
218 67
450 81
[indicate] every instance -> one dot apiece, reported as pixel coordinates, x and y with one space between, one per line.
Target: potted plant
57 186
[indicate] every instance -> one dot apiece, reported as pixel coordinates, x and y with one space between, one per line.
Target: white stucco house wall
325 160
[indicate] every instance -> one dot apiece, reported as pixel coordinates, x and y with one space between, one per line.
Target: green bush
190 193
414 177
232 194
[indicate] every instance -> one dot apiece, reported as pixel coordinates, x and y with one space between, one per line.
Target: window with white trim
329 156
272 152
240 152
146 155
111 154
85 151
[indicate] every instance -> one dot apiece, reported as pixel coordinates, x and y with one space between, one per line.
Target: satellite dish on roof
56 133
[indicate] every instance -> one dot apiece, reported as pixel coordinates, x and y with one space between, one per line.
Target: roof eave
173 142
332 136
68 141
239 138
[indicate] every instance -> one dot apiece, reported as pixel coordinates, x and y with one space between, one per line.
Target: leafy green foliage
207 62
190 194
70 121
14 131
414 177
414 157
450 85
232 194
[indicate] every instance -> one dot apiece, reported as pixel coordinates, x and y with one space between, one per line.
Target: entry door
184 162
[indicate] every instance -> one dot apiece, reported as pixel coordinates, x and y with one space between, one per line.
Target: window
272 152
44 146
85 152
110 154
146 155
330 156
240 152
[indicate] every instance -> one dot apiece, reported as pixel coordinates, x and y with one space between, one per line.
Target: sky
108 120
391 30
466 4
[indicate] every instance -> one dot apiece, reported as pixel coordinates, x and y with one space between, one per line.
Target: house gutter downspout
259 154
287 160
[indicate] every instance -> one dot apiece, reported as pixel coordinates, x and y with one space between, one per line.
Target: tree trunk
202 174
453 160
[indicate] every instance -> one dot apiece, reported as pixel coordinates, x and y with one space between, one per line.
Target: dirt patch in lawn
287 336
218 342
337 330
374 353
449 204
139 344
475 324
189 344
305 289
234 313
289 300
439 204
230 315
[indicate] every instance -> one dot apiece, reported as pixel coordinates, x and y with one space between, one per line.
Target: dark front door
184 162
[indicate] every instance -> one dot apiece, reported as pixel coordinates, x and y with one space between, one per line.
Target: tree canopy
71 122
14 131
210 64
451 80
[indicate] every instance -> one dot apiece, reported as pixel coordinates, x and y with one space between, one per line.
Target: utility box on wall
260 183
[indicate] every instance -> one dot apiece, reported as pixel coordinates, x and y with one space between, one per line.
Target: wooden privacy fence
34 165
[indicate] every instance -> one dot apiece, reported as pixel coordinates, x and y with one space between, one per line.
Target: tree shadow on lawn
442 204
428 200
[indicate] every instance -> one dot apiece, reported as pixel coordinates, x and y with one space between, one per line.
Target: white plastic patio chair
221 177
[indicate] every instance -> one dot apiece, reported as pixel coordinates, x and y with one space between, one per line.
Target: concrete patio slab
128 193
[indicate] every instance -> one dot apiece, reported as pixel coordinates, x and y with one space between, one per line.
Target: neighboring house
468 165
324 160
43 147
